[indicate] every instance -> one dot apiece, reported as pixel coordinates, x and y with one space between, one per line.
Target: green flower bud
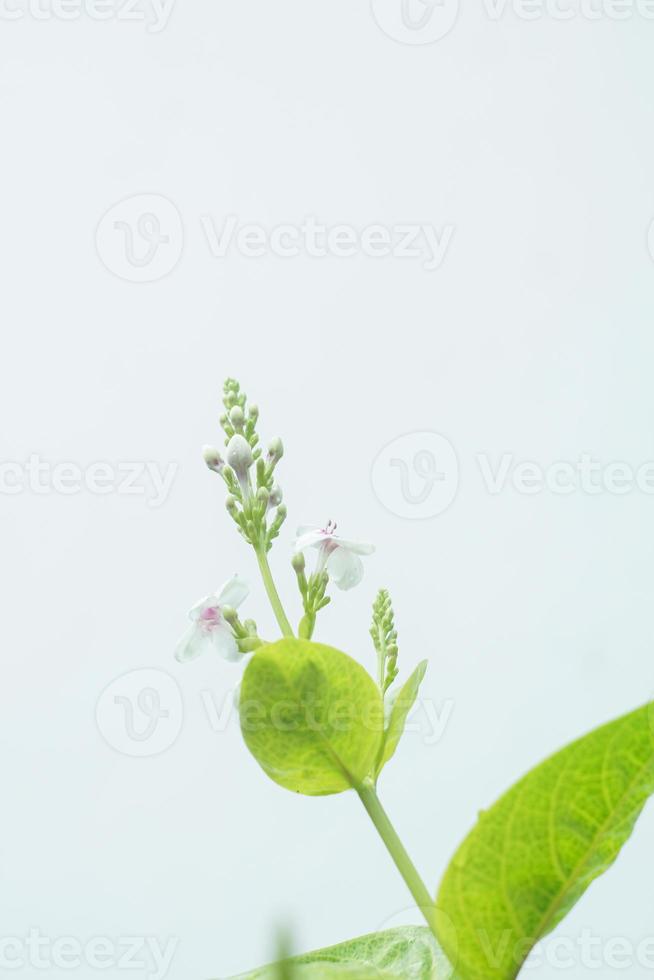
236 416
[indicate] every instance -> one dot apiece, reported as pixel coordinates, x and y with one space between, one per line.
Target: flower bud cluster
384 637
245 633
254 499
313 595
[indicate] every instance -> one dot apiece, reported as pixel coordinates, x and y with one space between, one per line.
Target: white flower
208 630
338 556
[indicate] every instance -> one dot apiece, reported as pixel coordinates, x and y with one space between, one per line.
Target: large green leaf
407 953
536 851
311 716
400 708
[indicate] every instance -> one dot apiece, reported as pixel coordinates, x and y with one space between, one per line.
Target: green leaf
407 953
536 851
311 716
401 706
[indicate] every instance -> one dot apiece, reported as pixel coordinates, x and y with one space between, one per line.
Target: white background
534 141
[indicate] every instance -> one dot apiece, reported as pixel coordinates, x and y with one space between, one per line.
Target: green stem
273 594
397 851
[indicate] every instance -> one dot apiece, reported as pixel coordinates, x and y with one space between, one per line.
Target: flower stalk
396 849
273 594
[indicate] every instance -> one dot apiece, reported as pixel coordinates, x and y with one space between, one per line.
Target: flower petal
356 547
195 642
345 568
209 602
309 538
234 592
224 643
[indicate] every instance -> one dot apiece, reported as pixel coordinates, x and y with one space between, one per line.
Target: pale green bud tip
239 454
276 449
298 562
237 417
213 458
263 496
253 412
230 504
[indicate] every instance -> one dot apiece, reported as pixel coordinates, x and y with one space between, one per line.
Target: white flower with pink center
338 556
209 632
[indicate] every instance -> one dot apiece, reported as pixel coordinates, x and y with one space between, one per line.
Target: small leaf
407 953
535 852
401 706
311 716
